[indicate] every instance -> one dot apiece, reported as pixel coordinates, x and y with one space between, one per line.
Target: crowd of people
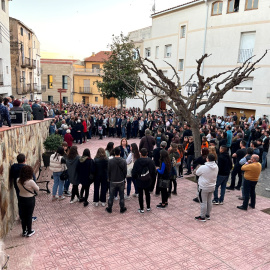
230 146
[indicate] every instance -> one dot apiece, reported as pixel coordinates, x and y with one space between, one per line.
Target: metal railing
37 88
33 63
86 90
88 71
29 87
26 62
244 54
1 79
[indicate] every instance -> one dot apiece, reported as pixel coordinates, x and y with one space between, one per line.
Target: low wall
27 139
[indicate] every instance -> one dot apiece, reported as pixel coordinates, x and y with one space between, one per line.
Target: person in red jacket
68 138
84 130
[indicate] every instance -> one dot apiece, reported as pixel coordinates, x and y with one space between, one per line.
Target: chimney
93 53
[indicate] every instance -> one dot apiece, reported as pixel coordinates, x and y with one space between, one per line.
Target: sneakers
67 193
207 217
148 209
127 197
103 204
196 200
61 198
74 200
140 211
221 203
199 218
161 206
135 195
108 209
34 219
123 210
267 189
96 204
54 198
116 198
215 202
30 233
24 234
81 199
85 204
174 193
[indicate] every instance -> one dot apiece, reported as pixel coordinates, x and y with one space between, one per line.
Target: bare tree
171 92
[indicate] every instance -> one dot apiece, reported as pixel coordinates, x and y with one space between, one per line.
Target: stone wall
28 140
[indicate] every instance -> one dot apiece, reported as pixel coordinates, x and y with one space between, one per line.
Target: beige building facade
24 48
230 30
57 74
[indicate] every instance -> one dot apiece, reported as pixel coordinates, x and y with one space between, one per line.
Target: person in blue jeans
224 168
57 166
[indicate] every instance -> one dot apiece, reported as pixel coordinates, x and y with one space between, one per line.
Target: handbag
64 175
91 178
164 183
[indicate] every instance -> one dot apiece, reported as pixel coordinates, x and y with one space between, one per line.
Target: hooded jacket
72 170
85 166
56 163
117 170
139 164
207 176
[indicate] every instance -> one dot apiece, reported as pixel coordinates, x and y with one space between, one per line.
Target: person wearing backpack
144 172
160 137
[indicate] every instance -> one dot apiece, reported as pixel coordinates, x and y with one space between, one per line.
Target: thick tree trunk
144 109
195 126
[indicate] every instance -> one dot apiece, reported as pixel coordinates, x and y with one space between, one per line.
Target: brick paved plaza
70 236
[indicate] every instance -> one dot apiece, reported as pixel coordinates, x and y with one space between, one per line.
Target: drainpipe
205 33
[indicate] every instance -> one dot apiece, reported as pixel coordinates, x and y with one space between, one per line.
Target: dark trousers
27 205
157 187
141 132
189 160
134 132
117 187
74 191
164 195
236 171
100 196
78 137
85 189
111 132
147 197
174 184
128 133
118 130
249 189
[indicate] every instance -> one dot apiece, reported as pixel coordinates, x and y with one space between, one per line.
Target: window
251 4
96 99
29 36
7 69
64 82
147 52
65 100
245 85
183 31
50 81
34 44
50 98
157 51
181 64
233 6
3 5
217 8
246 46
21 31
136 54
95 66
168 51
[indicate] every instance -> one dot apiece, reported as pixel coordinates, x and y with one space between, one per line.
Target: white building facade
229 30
5 66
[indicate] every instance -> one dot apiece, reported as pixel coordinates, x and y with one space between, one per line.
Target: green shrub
52 142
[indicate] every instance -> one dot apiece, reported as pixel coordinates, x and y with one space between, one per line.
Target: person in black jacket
189 153
99 124
117 172
100 177
78 131
224 169
85 167
146 166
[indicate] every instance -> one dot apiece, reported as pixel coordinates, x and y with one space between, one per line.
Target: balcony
37 88
1 79
85 90
29 88
25 62
88 71
244 54
33 64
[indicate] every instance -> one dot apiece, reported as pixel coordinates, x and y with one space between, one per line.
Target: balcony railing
244 54
33 64
43 88
1 79
88 71
37 88
29 87
25 62
85 90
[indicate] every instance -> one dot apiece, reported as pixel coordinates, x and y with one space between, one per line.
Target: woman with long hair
57 166
164 173
72 162
109 148
124 148
174 156
189 154
132 157
27 188
100 177
180 160
85 168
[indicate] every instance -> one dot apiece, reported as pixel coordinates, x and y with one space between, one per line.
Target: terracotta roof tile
98 57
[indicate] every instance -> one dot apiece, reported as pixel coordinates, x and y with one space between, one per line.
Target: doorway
162 105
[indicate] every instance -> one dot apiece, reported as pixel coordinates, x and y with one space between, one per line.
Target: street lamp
192 89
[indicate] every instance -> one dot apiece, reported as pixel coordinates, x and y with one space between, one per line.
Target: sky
76 28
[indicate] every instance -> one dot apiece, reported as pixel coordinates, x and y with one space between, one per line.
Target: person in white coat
206 185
